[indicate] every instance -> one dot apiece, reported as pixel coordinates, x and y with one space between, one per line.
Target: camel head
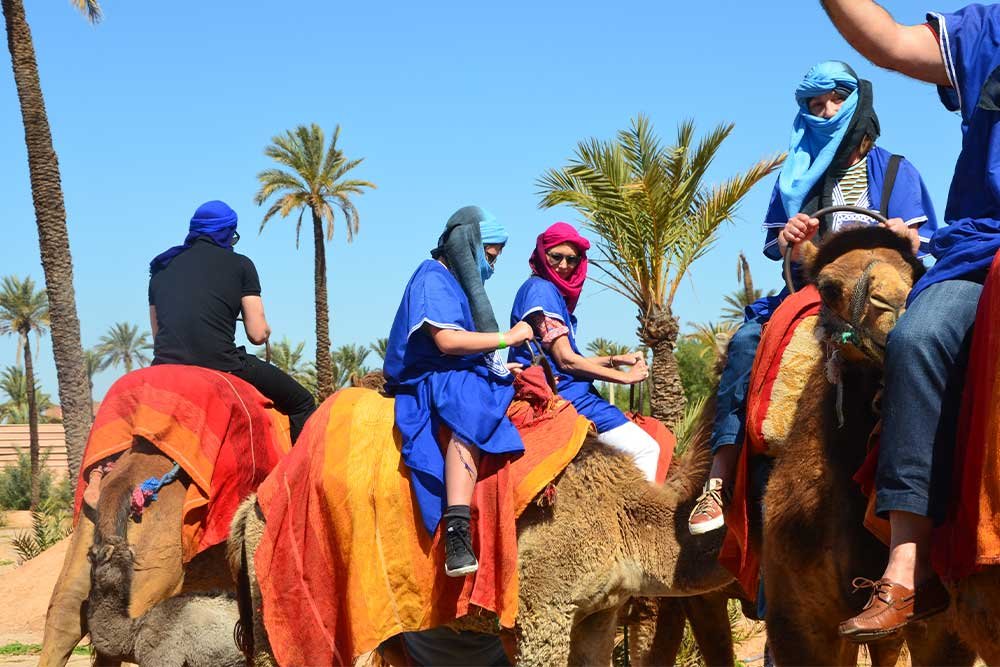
111 563
864 276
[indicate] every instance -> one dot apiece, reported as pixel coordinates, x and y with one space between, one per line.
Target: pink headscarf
557 234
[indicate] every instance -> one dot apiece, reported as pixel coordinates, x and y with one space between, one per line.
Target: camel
182 631
159 569
609 537
814 542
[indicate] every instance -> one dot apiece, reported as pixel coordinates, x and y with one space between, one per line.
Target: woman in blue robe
546 301
832 160
443 366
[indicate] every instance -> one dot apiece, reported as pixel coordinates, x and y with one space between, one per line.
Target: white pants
631 439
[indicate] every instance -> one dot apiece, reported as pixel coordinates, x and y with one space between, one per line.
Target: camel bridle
852 331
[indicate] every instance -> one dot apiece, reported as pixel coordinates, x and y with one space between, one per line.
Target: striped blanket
345 563
218 428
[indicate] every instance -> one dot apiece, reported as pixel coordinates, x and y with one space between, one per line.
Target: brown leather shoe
891 606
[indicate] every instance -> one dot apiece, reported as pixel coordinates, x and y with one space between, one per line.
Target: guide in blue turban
214 220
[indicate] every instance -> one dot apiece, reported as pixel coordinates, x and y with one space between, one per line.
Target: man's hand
798 229
898 227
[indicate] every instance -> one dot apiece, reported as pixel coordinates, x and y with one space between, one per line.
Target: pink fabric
557 234
547 328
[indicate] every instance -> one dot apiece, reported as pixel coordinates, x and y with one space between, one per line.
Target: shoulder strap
890 180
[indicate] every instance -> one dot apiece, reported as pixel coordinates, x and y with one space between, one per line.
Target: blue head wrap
492 232
815 140
213 220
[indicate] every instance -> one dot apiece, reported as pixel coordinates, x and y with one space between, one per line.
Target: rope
146 493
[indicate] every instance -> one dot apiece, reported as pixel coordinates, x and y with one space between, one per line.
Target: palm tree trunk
53 238
324 366
666 401
33 446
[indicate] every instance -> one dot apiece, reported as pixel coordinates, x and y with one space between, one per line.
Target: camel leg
709 618
934 642
593 639
655 636
544 637
885 653
796 641
65 624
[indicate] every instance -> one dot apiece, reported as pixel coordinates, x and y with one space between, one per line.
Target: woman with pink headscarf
546 301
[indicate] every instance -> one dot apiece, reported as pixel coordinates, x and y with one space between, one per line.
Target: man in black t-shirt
196 293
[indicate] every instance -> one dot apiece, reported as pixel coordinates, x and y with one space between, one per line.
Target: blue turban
815 141
213 220
491 230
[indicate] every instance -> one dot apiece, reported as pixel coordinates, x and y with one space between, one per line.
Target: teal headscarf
815 141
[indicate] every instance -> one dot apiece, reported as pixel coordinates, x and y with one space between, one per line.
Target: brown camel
814 542
191 630
159 570
610 536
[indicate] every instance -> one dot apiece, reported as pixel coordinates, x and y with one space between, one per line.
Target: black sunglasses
236 237
558 258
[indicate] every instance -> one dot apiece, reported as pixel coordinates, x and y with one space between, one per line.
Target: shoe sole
461 571
707 526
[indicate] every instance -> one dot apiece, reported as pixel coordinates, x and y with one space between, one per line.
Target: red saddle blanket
737 553
217 427
345 562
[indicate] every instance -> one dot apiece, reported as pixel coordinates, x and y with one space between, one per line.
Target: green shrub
15 485
49 524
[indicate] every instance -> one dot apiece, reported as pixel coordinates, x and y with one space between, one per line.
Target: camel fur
814 542
156 540
182 631
609 537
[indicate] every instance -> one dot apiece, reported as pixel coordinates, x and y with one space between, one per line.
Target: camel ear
99 555
808 253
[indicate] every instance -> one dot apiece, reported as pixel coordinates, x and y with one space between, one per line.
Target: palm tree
93 364
736 303
289 359
602 347
314 180
710 336
15 410
50 218
379 347
24 311
655 216
349 362
124 346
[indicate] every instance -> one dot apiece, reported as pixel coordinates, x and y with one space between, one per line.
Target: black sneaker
459 560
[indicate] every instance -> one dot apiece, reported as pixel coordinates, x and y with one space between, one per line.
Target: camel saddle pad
969 539
786 358
345 562
218 428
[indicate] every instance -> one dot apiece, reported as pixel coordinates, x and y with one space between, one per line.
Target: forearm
456 342
591 368
875 34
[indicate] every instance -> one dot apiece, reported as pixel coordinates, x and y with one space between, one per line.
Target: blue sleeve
538 295
911 201
431 299
968 41
774 222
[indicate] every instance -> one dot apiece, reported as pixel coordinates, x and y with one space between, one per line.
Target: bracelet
503 344
611 361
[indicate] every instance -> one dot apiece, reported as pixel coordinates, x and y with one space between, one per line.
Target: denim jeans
925 366
731 407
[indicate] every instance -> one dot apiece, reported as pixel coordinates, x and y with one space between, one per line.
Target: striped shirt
852 190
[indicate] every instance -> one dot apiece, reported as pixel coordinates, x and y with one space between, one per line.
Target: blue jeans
925 365
731 405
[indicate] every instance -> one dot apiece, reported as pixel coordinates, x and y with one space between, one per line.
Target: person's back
198 300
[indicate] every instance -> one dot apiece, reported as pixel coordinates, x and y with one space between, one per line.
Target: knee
745 341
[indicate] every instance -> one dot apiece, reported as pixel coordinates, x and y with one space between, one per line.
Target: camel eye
830 291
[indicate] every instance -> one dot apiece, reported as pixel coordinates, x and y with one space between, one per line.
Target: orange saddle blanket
345 561
216 427
767 416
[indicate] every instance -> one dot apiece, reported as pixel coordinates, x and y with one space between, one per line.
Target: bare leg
724 464
909 549
461 469
93 491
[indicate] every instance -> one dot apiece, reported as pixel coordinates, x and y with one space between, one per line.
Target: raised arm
911 50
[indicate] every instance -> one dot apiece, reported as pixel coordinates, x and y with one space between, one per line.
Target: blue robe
965 248
469 394
539 295
909 201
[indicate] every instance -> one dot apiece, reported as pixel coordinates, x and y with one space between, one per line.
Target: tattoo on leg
464 457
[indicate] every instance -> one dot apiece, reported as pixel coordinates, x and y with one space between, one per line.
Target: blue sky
161 107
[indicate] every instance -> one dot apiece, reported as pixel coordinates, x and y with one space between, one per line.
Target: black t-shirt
197 299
